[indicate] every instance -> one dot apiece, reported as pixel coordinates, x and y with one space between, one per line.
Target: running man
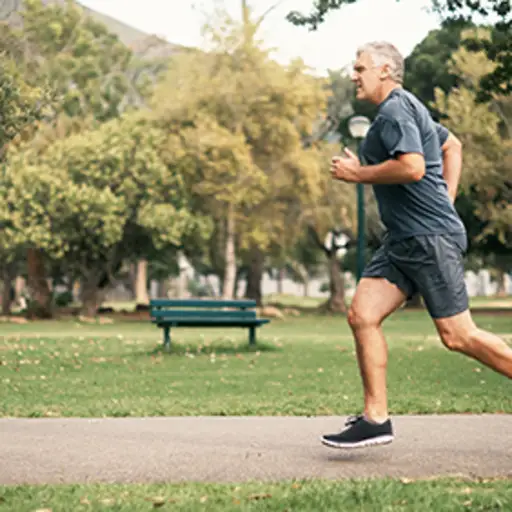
414 166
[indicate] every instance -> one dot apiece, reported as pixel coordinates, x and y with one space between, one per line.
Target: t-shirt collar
393 93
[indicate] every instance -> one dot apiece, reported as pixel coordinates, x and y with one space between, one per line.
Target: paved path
236 449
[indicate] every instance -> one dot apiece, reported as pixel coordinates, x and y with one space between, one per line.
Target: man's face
368 78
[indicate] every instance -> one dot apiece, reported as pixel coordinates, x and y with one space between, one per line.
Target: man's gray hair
382 53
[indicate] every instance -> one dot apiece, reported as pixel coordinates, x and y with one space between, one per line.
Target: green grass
303 366
288 300
363 495
285 300
69 368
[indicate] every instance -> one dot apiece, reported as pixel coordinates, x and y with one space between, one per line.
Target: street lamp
358 127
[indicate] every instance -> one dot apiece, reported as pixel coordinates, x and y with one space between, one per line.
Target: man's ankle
378 419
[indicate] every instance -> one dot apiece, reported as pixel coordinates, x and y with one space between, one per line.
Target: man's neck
387 89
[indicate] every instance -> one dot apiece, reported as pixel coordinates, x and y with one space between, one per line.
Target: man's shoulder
402 103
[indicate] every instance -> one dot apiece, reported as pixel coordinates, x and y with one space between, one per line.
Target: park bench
169 313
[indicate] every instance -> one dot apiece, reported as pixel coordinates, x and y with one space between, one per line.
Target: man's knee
360 318
458 337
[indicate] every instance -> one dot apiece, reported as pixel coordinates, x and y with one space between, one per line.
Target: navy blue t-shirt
403 125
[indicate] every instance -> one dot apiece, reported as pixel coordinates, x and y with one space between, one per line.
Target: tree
89 72
485 201
498 48
241 120
21 107
330 218
428 65
97 196
84 63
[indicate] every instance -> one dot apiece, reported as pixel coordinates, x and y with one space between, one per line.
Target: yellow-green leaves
225 171
65 46
486 134
20 104
87 192
239 120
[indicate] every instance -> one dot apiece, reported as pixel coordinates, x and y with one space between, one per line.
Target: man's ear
384 72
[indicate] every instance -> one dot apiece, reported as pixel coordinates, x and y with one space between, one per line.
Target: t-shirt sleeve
442 133
400 136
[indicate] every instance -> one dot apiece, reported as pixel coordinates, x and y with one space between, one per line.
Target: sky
331 46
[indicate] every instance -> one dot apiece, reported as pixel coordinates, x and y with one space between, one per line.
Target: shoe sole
377 441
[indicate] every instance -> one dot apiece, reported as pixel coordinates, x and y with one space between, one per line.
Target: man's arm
452 164
410 167
406 168
401 138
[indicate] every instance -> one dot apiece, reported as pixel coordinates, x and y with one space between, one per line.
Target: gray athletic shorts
431 265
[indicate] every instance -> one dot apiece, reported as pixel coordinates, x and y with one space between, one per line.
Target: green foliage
21 107
49 211
65 46
317 16
498 48
64 299
428 65
65 185
20 104
486 180
239 123
92 198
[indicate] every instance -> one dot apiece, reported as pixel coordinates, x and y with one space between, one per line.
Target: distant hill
141 43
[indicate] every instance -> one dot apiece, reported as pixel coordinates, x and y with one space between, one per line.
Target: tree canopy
498 47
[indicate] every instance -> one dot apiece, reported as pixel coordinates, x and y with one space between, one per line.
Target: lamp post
358 127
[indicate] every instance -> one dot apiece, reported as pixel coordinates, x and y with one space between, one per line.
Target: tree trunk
230 257
38 285
306 285
336 301
132 272
501 290
7 297
19 287
280 279
163 288
304 275
91 296
141 279
255 275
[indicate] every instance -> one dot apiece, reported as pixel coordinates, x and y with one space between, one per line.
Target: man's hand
346 168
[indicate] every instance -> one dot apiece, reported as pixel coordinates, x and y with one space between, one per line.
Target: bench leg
252 335
167 338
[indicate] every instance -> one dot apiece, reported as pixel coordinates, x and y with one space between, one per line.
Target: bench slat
201 313
212 321
206 303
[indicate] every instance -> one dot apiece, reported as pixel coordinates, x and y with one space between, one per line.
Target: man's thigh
382 267
435 265
374 300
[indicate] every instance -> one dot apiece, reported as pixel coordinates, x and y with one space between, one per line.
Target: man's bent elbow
452 143
417 173
413 165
